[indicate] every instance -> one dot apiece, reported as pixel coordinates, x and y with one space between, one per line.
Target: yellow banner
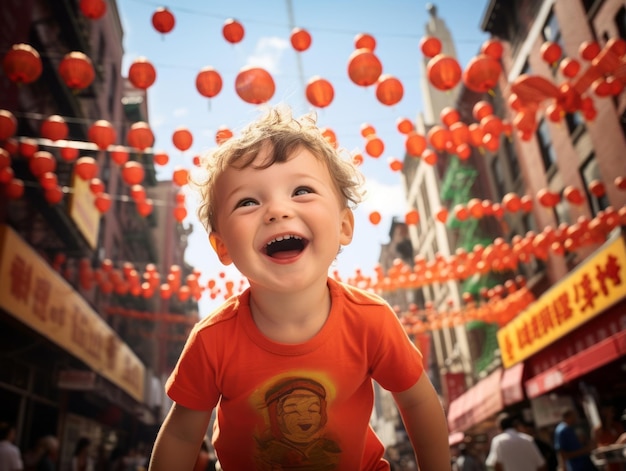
31 291
595 285
83 211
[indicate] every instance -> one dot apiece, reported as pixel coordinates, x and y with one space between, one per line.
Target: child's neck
291 317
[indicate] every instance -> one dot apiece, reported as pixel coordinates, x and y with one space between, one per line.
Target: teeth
279 238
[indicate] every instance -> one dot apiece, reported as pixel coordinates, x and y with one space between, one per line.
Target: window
620 21
551 32
575 125
496 169
548 155
511 158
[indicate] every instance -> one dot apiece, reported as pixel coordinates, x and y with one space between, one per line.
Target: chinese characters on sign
595 285
34 293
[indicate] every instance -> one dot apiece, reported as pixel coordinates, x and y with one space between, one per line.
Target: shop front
67 371
572 341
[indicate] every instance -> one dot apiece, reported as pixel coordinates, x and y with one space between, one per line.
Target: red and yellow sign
594 286
34 293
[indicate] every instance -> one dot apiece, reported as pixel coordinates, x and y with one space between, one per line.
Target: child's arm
426 425
178 442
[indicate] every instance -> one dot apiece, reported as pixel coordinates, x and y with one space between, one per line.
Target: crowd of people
519 447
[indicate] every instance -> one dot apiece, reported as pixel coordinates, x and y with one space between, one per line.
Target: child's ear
347 227
220 248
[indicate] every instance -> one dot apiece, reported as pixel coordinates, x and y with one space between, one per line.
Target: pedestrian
513 451
81 461
48 451
545 448
10 454
573 454
289 363
467 460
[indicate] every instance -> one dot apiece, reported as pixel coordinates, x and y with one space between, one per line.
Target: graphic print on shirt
296 438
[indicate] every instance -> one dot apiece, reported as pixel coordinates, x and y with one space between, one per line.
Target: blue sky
196 42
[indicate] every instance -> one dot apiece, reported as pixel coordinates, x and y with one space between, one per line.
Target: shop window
589 172
548 155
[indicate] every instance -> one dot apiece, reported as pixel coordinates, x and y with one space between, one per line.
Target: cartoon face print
299 415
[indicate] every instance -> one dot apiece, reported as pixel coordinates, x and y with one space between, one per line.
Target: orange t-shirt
298 407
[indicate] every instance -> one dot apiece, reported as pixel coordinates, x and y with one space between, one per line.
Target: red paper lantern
375 217
69 154
5 158
180 176
429 156
140 136
27 147
374 146
53 195
142 73
449 116
54 128
430 46
330 136
415 144
548 198
144 207
404 125
119 154
459 133
319 92
182 138
93 9
573 195
161 158
597 188
8 125
76 70
367 129
588 50
439 137
133 173
442 215
300 39
364 41
208 82
389 90
41 162
48 180
569 67
233 31
492 48
395 164
551 52
180 213
6 175
14 189
163 20
22 64
482 73
443 72
102 134
254 85
86 168
412 217
96 186
512 202
137 193
222 135
364 68
103 202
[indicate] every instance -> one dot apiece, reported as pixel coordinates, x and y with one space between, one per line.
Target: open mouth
285 246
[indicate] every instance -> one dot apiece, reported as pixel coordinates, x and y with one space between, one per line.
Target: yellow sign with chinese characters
35 294
595 285
84 212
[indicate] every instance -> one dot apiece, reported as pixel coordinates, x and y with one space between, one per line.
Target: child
289 363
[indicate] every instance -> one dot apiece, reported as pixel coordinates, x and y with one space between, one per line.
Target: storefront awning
577 365
511 384
476 404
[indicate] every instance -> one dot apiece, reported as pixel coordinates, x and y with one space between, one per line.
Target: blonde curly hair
284 133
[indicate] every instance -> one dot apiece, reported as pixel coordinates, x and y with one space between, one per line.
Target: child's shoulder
354 295
224 313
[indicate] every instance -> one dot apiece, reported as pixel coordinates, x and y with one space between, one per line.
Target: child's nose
277 211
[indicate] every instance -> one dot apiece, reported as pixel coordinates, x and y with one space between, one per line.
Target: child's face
281 226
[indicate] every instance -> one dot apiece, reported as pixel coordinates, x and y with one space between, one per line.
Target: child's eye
302 190
245 202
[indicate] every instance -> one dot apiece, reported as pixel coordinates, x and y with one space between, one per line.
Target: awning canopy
511 384
577 365
476 404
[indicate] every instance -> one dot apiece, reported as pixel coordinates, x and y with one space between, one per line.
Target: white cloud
388 200
268 52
